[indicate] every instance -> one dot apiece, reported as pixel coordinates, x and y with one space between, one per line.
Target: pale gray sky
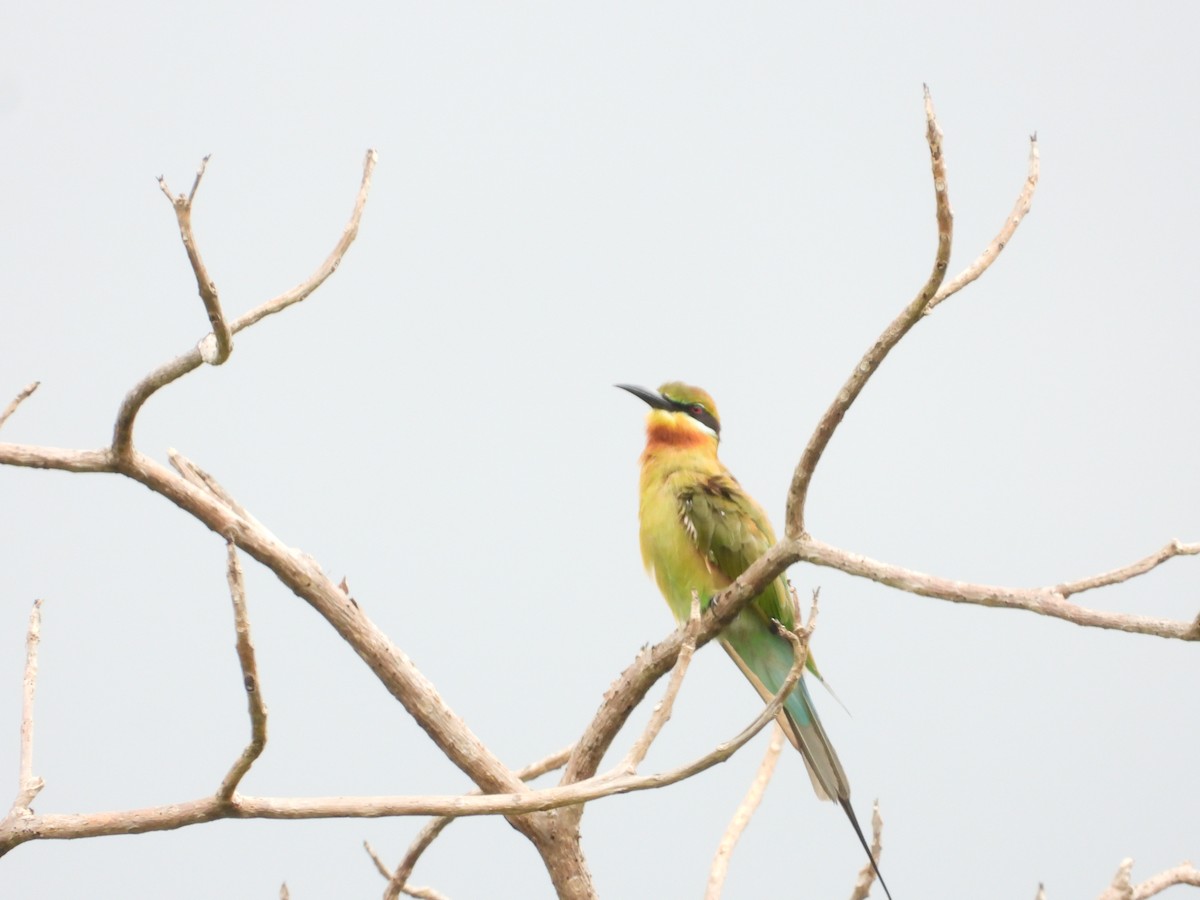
569 196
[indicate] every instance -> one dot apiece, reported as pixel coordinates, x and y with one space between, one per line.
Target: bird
700 530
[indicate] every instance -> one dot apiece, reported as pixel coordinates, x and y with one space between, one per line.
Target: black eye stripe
699 413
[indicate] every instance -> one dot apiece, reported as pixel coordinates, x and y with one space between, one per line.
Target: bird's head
679 414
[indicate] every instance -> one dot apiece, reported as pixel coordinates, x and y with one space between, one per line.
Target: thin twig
814 610
742 815
1000 241
662 710
411 890
1141 567
202 479
246 659
218 349
17 401
331 263
871 360
284 893
28 784
866 875
380 866
1045 601
181 365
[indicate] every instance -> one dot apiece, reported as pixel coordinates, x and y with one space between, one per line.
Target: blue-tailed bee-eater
699 532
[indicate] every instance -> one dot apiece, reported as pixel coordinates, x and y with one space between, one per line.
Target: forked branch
123 430
1049 601
505 792
909 316
218 349
931 294
1000 241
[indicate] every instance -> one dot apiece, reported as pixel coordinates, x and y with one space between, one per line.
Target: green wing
731 532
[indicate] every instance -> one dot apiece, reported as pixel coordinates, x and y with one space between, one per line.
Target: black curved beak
655 400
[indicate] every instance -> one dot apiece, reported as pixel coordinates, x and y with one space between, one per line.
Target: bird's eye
696 409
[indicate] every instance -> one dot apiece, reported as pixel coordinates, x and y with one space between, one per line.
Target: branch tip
21 397
199 174
379 865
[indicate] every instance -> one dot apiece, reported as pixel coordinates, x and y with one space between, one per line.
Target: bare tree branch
32 457
380 866
1141 567
246 659
28 784
394 669
512 805
218 349
866 875
17 401
741 816
1045 601
197 476
1000 241
563 857
911 314
180 366
504 791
